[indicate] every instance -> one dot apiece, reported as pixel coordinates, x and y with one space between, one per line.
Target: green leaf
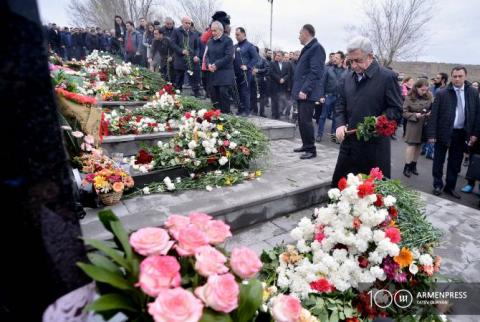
212 316
116 255
334 316
122 236
105 276
111 222
250 300
109 302
103 262
348 311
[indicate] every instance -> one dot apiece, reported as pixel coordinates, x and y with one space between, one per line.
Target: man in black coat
453 122
306 87
186 46
261 72
245 59
367 90
219 60
280 76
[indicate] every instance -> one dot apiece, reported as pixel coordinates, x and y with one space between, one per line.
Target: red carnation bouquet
374 127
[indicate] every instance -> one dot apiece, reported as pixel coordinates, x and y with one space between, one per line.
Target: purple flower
390 268
401 277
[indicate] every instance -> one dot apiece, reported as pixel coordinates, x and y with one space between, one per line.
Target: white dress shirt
459 122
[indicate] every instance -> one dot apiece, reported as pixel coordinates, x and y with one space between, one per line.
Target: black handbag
473 171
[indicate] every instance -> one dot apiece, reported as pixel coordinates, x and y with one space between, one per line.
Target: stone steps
287 185
130 144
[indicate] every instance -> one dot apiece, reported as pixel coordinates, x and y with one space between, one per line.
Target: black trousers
305 124
263 99
179 79
221 98
360 157
455 157
279 102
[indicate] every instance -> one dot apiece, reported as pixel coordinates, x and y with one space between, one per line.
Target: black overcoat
220 53
377 93
181 40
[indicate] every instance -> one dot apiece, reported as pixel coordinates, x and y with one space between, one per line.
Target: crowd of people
438 117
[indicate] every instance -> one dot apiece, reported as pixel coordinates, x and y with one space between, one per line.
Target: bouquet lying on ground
352 248
374 127
174 273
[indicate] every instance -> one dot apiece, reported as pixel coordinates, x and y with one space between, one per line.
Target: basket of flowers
110 184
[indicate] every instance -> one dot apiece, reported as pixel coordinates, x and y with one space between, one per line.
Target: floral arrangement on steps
207 138
100 74
178 272
217 150
354 247
162 114
110 184
199 181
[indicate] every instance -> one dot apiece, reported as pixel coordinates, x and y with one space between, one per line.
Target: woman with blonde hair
416 110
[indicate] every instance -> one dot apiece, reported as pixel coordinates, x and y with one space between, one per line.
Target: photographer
416 110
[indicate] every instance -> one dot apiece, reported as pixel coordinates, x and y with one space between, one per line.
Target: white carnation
413 269
223 160
378 273
425 259
389 201
192 145
334 194
378 235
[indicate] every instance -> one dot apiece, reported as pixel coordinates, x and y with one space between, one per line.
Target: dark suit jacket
440 124
276 75
220 53
178 41
309 71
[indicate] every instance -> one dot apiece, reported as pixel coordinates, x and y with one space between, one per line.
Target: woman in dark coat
120 33
416 110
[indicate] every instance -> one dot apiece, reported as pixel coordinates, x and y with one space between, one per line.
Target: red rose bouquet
374 127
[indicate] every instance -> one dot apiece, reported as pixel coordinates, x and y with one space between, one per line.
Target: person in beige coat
416 110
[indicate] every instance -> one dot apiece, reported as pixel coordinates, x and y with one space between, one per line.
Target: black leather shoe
437 191
308 155
302 149
453 193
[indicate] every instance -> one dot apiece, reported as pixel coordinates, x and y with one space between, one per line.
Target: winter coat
415 125
309 71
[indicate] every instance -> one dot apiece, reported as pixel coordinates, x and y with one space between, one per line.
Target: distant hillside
416 69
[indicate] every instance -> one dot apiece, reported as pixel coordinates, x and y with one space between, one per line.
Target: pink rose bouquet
177 272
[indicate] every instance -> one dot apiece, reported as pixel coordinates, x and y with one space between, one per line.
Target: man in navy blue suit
246 57
306 89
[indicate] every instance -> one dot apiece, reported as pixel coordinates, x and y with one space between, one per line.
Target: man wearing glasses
368 89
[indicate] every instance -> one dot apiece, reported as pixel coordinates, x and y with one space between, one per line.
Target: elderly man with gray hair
367 90
219 62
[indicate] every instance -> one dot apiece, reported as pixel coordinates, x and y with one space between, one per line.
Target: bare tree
201 11
397 28
101 12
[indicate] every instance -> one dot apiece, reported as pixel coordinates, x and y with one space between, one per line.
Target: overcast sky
454 31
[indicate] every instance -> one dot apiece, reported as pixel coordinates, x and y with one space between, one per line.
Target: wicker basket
110 198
